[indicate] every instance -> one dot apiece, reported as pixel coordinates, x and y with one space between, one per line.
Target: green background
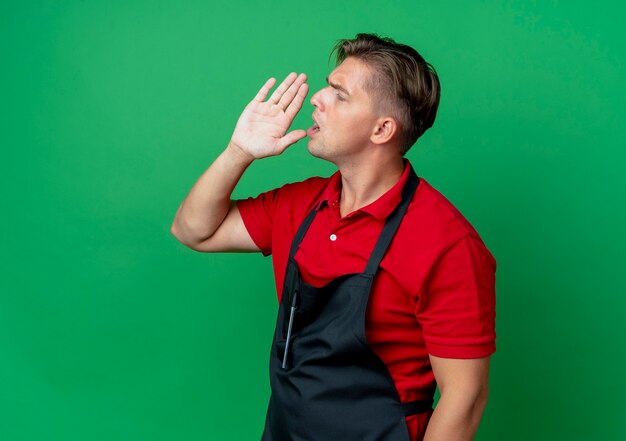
110 329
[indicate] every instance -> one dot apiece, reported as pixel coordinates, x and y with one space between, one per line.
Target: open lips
313 129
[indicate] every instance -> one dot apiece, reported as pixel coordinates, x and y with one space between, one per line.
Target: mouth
313 129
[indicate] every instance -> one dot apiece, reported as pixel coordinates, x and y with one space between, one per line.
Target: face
343 115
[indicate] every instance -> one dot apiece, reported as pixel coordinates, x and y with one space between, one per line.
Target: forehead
351 74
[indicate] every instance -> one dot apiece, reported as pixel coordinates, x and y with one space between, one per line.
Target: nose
317 101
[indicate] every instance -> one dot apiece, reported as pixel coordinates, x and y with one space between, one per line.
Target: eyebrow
338 86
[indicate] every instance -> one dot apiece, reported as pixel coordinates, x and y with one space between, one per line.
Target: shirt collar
381 208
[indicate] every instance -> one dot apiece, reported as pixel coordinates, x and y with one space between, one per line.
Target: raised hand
261 130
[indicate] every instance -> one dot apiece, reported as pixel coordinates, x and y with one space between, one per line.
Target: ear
384 130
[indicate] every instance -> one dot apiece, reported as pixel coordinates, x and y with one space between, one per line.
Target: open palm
261 130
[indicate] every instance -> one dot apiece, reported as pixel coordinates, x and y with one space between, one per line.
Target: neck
363 183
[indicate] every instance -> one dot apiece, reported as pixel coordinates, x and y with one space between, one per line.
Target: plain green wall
110 329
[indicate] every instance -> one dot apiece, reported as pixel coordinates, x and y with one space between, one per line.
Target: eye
339 97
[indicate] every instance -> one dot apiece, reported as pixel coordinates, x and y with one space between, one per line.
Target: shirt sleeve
457 307
258 217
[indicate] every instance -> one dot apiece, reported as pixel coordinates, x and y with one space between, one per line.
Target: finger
296 104
265 90
278 93
287 97
290 138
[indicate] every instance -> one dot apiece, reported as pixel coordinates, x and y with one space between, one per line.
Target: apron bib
327 383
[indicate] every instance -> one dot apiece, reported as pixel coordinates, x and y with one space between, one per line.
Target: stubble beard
315 149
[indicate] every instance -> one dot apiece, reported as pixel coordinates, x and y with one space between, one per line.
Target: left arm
463 386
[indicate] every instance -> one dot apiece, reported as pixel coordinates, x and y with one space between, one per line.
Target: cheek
350 119
349 124
357 126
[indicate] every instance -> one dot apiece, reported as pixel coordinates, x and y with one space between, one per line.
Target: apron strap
417 406
392 224
304 226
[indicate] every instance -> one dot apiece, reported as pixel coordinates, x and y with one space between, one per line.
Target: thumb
290 138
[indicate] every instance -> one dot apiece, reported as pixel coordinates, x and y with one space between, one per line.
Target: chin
313 149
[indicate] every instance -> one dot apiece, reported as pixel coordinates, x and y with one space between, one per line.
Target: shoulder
296 199
308 188
431 228
434 223
274 215
443 213
288 203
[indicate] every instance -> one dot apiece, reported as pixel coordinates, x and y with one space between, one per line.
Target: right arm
207 219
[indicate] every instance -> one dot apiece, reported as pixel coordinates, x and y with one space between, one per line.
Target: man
386 291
